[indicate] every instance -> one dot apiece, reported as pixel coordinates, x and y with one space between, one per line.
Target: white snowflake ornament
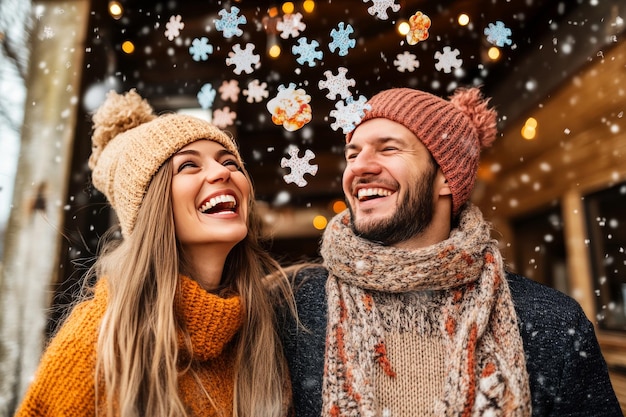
290 25
229 90
256 91
447 60
379 9
298 166
337 85
173 27
406 62
223 118
243 59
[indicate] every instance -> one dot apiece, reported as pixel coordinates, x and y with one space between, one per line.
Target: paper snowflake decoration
290 25
406 62
419 24
229 23
173 27
200 49
206 96
379 9
341 39
229 90
298 166
307 51
447 59
256 92
337 85
223 118
243 59
498 34
290 108
347 115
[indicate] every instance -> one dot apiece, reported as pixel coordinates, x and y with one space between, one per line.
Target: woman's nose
216 172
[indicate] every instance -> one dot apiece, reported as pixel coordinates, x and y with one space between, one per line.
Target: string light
308 6
463 19
529 130
338 206
115 10
128 47
288 7
319 222
403 27
493 53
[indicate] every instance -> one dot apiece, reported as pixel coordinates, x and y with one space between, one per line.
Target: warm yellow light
115 9
272 11
308 6
403 27
463 19
493 53
128 47
274 51
288 7
338 206
531 121
528 132
319 222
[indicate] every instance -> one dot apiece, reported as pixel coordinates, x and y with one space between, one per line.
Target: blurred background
553 184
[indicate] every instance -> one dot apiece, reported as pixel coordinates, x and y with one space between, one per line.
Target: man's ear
441 184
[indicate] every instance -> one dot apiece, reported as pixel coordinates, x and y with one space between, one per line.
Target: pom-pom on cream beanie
130 143
453 131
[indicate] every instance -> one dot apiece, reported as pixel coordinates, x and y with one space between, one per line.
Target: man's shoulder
535 300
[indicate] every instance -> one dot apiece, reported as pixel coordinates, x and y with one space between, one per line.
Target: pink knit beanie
130 143
453 131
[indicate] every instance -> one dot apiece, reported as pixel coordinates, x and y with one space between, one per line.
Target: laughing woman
181 322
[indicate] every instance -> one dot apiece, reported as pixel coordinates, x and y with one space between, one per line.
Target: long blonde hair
137 358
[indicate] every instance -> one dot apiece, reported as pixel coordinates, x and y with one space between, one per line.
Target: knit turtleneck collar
210 320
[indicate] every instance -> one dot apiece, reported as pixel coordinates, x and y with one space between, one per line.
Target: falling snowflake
307 52
347 115
379 9
229 90
206 95
200 49
223 118
290 107
46 33
419 24
173 27
337 85
341 39
290 25
298 166
243 59
498 34
406 62
256 92
447 59
229 23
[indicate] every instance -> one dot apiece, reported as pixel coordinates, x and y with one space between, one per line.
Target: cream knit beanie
129 145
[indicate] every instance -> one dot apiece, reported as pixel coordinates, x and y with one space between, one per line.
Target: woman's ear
441 184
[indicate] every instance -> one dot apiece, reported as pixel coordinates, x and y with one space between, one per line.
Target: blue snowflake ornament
307 52
341 39
298 166
349 114
206 96
229 23
498 34
200 49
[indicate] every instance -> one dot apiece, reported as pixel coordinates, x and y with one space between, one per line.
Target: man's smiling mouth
365 194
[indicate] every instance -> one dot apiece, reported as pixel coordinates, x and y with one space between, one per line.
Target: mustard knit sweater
64 384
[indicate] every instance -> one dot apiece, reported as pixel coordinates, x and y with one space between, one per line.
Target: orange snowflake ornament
419 23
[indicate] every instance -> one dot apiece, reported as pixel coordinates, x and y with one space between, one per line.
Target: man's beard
413 216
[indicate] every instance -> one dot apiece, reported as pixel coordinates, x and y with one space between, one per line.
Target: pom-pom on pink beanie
453 131
130 143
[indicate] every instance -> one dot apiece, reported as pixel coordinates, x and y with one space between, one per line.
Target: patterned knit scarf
486 371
